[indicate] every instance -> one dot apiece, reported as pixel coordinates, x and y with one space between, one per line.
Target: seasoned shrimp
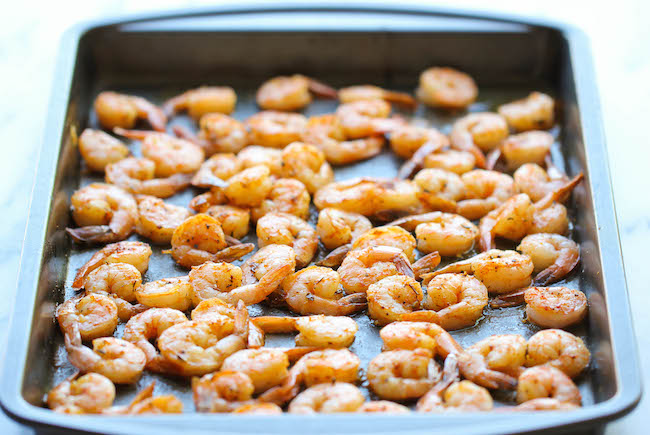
402 374
559 349
91 393
535 112
287 229
439 189
555 307
286 196
384 406
200 239
157 219
99 149
390 235
553 255
447 88
249 187
216 309
145 403
216 170
218 133
337 227
364 267
224 391
546 381
405 140
484 191
317 290
104 213
147 326
484 130
389 299
119 110
118 281
328 398
203 100
166 293
137 176
319 330
88 317
500 271
365 118
199 347
275 129
266 259
505 353
307 164
370 92
458 162
291 92
170 154
234 220
534 181
531 147
464 396
134 253
259 408
255 155
266 367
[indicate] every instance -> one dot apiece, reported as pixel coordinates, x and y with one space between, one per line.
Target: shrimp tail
322 90
492 159
335 258
565 263
353 303
416 161
275 324
486 233
429 316
131 134
508 300
401 99
92 234
473 367
426 264
234 252
174 104
241 321
184 133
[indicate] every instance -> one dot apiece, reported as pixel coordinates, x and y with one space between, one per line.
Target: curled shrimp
370 92
142 328
137 176
363 267
463 396
203 100
103 212
259 409
458 162
291 92
535 112
118 281
216 170
224 391
157 219
255 155
531 147
249 187
446 88
384 407
87 317
99 149
439 189
317 290
134 253
91 393
234 221
287 229
266 367
307 164
271 257
145 403
402 374
555 307
553 255
559 349
320 331
365 118
390 298
275 129
337 227
218 133
506 353
484 191
406 140
328 398
478 133
547 382
200 239
217 310
286 196
389 235
534 181
119 110
166 293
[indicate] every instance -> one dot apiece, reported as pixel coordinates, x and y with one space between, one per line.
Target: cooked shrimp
337 227
266 259
484 191
464 396
307 164
553 255
370 92
559 349
534 181
216 170
203 100
224 391
389 299
402 374
145 403
99 149
200 239
555 307
546 381
319 331
291 92
535 112
266 367
447 88
118 281
137 176
275 129
543 404
364 267
287 229
147 326
500 271
88 317
390 235
317 290
218 133
384 406
134 253
170 154
439 189
328 398
104 213
157 219
202 202
531 147
215 309
249 187
199 347
504 352
119 110
365 118
173 292
259 408
255 155
286 196
405 140
458 162
91 393
234 220
484 130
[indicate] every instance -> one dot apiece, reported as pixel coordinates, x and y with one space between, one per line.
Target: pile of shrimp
472 224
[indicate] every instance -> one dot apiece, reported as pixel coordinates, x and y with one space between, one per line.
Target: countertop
29 36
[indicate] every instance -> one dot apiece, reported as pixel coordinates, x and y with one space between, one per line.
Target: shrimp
119 110
485 131
218 133
543 404
364 267
200 239
147 326
291 92
439 189
464 396
337 227
534 181
166 293
535 112
224 391
200 347
249 187
559 349
307 164
546 381
370 92
145 403
328 399
320 331
553 255
287 229
484 191
99 149
275 129
266 259
365 118
234 221
266 367
91 393
384 407
137 176
259 409
506 353
390 298
224 281
157 219
453 301
170 154
406 140
458 162
216 170
286 196
203 100
254 155
389 235
134 253
118 281
88 317
531 147
402 374
500 271
317 290
218 310
446 88
104 213
555 307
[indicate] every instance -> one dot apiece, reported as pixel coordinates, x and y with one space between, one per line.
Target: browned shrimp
447 88
291 92
119 110
370 92
203 100
134 253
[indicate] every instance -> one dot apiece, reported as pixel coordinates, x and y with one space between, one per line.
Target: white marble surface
29 35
